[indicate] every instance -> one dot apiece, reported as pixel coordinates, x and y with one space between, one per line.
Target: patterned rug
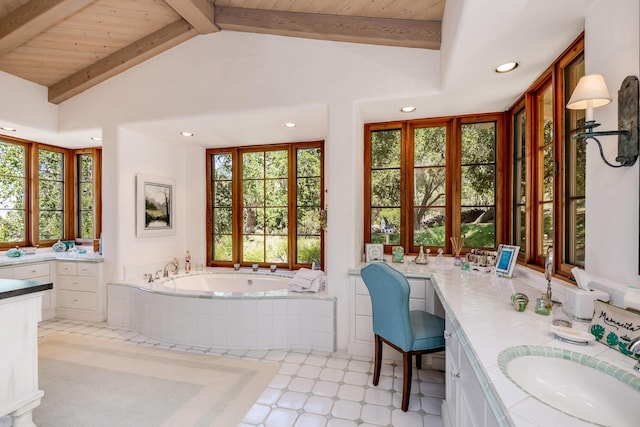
90 382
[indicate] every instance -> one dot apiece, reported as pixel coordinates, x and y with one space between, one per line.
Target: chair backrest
389 291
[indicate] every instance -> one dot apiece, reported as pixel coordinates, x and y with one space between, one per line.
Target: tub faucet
634 346
174 263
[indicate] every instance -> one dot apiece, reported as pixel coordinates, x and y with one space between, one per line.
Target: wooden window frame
96 154
236 204
453 207
31 197
554 76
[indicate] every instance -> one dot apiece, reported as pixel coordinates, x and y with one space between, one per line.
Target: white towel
307 280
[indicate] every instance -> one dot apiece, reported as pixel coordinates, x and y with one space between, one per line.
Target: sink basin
579 385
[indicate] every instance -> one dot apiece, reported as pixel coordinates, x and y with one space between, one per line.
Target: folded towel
317 286
305 273
306 280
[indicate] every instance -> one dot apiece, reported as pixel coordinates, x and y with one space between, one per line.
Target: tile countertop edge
6 261
495 402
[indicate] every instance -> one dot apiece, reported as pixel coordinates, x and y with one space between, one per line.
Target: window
266 205
575 161
544 168
429 180
548 185
88 211
13 193
51 195
519 135
37 197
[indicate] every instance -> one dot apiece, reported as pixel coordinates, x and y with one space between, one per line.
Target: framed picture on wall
155 206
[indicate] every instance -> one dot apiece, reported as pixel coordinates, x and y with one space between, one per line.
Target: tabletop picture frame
155 206
506 260
374 252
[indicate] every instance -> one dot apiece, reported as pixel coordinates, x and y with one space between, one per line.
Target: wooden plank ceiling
72 45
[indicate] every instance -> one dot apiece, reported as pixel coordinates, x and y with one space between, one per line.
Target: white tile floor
312 389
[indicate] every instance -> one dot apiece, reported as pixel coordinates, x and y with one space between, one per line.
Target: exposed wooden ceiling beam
127 57
34 17
355 29
198 13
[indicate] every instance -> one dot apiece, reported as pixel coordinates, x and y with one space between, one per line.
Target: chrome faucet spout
634 346
174 264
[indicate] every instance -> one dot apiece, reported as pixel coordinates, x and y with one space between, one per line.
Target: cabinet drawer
77 283
77 300
30 271
87 269
6 273
68 268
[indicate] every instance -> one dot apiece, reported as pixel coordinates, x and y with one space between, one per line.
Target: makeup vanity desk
480 323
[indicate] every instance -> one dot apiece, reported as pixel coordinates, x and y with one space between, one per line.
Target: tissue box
579 303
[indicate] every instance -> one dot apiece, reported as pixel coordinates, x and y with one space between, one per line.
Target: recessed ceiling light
8 128
186 133
289 125
96 138
408 109
506 67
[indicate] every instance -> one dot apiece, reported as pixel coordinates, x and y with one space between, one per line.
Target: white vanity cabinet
39 271
80 291
465 404
422 297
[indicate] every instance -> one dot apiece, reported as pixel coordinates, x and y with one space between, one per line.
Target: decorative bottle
421 258
187 262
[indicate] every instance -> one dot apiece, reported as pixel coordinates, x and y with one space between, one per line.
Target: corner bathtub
225 310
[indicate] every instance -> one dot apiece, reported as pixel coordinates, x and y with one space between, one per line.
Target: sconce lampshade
590 92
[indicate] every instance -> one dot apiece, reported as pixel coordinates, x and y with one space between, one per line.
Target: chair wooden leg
419 361
377 360
406 386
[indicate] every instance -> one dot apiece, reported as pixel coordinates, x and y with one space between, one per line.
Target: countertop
10 288
45 255
479 305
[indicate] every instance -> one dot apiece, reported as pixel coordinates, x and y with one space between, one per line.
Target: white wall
126 154
612 39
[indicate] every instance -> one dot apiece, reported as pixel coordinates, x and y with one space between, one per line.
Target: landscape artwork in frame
155 206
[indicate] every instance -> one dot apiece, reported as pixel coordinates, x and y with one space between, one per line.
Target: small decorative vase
421 258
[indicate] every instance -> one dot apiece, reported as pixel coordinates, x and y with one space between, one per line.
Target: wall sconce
591 92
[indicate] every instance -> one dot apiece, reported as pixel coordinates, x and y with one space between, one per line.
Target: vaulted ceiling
72 45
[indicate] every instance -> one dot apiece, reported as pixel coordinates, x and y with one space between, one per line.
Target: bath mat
91 382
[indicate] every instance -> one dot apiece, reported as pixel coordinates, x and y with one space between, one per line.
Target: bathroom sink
576 384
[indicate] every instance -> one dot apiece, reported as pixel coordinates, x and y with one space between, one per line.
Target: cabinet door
471 399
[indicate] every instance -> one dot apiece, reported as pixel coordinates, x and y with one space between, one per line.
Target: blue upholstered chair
413 333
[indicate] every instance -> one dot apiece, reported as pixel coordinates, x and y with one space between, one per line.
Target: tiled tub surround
275 319
479 311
